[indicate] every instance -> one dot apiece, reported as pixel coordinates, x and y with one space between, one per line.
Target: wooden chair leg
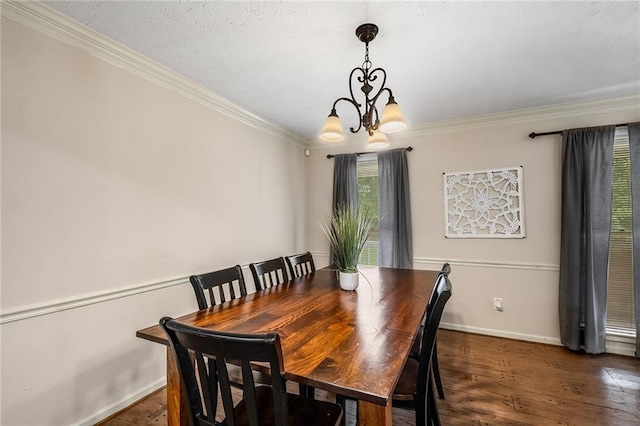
436 370
307 391
433 417
423 411
342 401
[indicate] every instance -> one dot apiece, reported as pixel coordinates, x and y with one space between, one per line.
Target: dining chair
300 264
266 274
215 283
415 350
415 385
269 273
260 405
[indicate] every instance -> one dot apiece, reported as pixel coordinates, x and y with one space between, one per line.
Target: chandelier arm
382 86
356 106
375 116
364 75
375 98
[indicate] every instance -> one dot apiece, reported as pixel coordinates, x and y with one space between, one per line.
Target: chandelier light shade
332 130
392 119
378 140
372 83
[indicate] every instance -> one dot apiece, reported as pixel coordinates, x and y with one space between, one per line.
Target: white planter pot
348 280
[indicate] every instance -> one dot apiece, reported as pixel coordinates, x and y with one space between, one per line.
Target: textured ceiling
288 61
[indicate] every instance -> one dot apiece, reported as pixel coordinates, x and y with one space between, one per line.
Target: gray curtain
634 150
395 238
587 173
345 180
345 183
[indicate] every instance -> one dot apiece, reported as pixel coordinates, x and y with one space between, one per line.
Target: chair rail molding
58 305
47 20
488 264
78 301
72 302
473 263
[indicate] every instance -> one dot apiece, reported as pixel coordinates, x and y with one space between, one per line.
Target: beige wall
111 182
523 272
115 189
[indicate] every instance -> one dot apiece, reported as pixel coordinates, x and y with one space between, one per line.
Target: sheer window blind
368 194
620 308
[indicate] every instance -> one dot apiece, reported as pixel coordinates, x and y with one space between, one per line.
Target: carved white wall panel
484 204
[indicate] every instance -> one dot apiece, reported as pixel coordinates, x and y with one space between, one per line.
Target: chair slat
269 273
225 392
300 264
217 281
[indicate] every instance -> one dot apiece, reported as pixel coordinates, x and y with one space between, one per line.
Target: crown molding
628 103
46 20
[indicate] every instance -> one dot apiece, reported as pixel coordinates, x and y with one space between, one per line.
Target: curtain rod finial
532 135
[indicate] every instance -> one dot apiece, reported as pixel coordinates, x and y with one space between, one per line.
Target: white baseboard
616 346
124 403
502 333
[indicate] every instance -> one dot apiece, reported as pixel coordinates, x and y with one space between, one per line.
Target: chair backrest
440 296
446 269
300 264
215 283
269 273
212 352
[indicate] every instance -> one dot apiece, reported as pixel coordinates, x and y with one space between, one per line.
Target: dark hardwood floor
493 381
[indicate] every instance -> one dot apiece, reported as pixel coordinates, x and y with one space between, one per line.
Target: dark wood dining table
353 343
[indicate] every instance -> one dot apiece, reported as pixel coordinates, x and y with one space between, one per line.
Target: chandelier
392 119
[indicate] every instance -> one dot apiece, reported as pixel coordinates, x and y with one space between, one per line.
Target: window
620 298
368 195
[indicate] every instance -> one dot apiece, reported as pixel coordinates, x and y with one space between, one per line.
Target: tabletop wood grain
352 343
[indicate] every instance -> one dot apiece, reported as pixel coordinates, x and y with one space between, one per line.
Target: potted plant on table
348 229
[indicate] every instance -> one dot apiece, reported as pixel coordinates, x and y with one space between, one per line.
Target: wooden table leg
176 402
370 414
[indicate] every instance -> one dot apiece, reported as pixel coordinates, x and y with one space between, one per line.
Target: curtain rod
409 148
534 135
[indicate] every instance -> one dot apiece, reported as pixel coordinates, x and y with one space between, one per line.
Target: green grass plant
347 230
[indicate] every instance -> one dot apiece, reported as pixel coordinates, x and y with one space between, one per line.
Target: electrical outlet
497 304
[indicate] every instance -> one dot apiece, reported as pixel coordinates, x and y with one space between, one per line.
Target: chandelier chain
366 65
